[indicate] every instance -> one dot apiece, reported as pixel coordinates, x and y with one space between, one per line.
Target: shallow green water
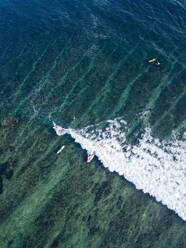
61 201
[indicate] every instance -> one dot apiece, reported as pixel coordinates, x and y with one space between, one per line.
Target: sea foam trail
157 169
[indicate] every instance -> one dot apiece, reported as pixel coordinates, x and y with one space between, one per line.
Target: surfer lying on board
154 61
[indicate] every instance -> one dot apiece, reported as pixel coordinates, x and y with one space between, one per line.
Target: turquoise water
86 67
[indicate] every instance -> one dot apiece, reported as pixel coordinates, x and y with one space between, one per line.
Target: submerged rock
11 121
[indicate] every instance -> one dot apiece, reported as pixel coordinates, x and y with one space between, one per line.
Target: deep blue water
142 30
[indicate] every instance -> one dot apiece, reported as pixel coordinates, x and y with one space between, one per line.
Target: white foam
157 169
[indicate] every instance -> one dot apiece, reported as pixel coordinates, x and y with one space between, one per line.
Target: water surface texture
85 66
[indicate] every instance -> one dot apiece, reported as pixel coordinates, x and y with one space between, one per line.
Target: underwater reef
58 200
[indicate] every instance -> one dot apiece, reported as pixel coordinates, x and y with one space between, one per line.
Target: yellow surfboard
152 60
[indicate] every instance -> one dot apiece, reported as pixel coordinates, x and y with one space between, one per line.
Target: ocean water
85 66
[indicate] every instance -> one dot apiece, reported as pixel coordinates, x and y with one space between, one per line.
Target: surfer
90 157
59 130
154 61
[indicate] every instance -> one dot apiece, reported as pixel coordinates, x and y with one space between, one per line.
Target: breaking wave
156 168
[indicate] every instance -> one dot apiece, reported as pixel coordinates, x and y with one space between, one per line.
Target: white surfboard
60 150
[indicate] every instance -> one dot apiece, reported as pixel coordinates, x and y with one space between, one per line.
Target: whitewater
152 166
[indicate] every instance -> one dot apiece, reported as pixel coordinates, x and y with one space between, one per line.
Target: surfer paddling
154 61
